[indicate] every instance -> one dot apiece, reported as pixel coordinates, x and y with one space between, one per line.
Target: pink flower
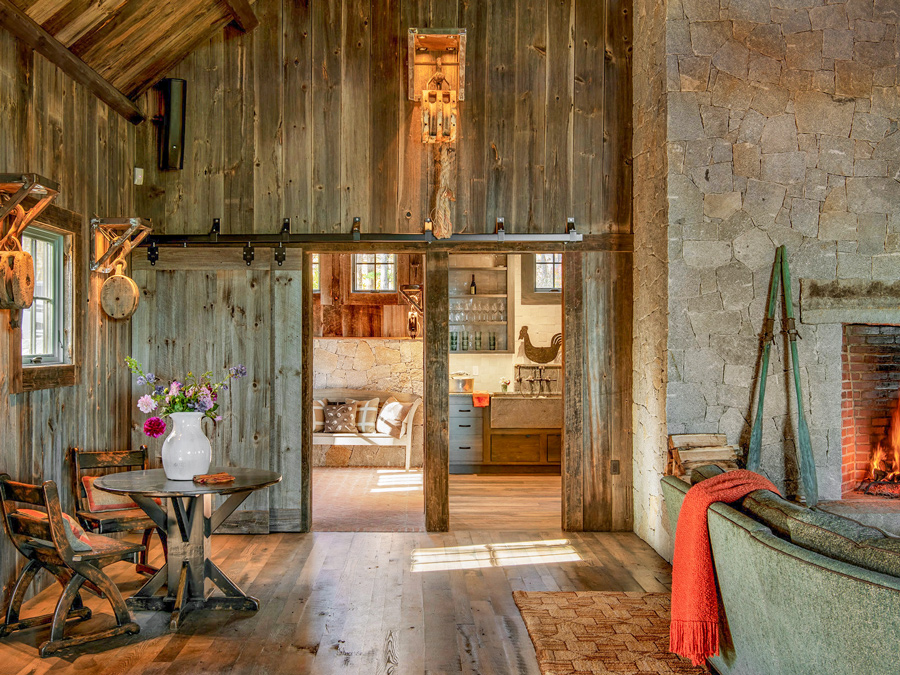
154 427
217 418
174 388
146 403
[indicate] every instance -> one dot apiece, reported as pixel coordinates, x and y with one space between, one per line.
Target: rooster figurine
540 354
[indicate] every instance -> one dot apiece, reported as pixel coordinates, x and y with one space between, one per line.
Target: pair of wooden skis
781 277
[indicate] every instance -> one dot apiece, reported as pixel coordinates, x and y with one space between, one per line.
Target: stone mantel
849 301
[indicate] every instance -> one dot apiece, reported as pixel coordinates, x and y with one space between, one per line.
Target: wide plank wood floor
360 602
391 500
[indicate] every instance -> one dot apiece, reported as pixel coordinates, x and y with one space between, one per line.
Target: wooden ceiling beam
243 14
23 27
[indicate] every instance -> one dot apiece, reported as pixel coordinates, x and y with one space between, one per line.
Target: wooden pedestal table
189 520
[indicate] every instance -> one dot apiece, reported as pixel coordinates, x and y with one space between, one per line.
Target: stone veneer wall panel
375 364
650 270
782 129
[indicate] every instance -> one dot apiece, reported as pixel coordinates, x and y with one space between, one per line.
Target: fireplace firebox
870 416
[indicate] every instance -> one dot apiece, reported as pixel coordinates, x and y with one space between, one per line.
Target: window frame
56 295
316 264
67 373
375 263
530 296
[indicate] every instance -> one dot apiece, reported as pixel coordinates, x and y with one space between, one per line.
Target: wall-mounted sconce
119 295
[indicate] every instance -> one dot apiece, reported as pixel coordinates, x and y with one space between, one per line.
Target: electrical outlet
475 370
138 176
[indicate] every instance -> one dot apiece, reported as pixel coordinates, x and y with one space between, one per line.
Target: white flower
146 404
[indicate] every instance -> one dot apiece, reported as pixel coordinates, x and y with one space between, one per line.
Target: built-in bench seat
406 431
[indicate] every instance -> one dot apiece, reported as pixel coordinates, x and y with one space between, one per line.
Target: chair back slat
30 527
22 492
115 459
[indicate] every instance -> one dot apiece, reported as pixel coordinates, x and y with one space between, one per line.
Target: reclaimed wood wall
58 129
307 117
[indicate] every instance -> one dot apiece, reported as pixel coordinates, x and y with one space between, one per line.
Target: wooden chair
46 546
121 520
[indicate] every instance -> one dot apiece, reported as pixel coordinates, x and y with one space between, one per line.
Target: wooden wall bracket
122 236
20 186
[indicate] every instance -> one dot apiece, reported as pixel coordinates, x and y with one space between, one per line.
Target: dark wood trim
33 378
243 14
437 392
23 27
573 393
526 281
306 397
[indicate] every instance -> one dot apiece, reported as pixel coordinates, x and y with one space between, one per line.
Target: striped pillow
76 535
319 415
366 414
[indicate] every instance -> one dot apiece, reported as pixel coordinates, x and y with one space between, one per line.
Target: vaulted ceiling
132 44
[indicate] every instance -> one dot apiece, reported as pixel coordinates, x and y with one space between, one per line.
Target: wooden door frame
436 399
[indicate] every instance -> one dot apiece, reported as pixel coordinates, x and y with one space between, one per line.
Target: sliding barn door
205 309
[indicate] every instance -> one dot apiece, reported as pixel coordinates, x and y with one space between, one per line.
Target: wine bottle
472 286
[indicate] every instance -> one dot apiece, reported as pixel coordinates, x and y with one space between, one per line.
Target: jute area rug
592 632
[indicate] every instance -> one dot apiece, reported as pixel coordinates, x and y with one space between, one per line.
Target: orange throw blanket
694 631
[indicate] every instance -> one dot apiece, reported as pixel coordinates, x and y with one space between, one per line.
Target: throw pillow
100 500
366 414
390 419
340 418
76 535
319 414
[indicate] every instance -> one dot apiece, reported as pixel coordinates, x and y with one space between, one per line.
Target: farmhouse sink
526 411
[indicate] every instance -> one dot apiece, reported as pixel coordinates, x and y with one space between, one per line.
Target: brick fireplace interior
871 383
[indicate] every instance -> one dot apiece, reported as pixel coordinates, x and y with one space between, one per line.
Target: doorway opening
506 417
368 383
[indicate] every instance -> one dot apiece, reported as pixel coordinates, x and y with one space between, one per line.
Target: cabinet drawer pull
461 410
465 447
464 426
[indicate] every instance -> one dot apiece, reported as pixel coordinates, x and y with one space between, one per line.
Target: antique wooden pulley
119 295
16 266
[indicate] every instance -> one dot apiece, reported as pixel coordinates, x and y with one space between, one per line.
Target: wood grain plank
327 92
574 441
298 116
437 398
243 14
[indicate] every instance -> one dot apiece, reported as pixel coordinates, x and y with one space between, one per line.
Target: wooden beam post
437 392
306 396
23 27
243 14
573 392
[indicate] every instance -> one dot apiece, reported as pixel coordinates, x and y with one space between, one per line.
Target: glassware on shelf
464 341
454 341
477 344
492 341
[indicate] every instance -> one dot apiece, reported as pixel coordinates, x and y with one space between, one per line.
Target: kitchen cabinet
474 319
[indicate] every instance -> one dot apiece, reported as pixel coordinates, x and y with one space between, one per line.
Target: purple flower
141 380
238 371
154 427
158 390
146 403
150 377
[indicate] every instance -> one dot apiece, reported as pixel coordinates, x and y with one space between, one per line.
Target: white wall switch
474 370
138 176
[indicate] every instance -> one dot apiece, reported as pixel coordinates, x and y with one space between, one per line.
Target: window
548 272
43 324
315 272
374 273
45 345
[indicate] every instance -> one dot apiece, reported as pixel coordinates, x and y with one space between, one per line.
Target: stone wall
782 129
373 364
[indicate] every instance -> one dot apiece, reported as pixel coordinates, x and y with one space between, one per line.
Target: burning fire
878 469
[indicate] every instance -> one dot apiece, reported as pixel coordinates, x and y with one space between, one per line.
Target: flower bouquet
194 395
504 384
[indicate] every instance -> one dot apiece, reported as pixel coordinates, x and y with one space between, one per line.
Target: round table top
153 483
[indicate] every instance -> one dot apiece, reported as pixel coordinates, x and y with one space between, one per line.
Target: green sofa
791 610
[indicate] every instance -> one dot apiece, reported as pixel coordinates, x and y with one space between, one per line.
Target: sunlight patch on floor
493 555
398 481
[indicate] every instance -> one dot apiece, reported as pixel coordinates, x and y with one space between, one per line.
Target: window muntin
43 324
548 272
316 273
374 272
